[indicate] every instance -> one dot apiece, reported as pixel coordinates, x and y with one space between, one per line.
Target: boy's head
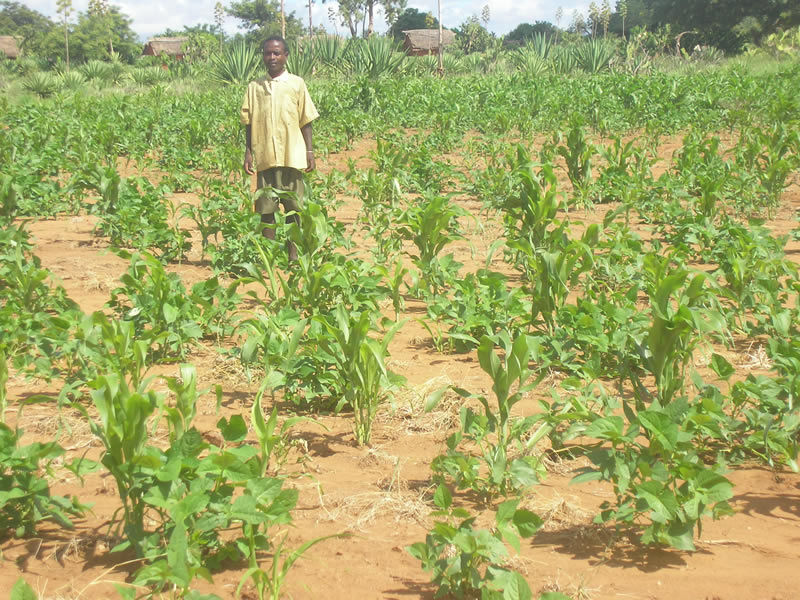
276 38
275 53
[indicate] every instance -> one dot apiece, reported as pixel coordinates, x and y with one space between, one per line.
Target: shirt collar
282 77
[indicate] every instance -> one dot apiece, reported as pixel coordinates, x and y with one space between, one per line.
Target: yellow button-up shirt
276 109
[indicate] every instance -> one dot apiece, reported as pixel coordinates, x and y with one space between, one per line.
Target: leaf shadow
602 545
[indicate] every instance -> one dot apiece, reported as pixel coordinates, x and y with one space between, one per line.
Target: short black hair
276 38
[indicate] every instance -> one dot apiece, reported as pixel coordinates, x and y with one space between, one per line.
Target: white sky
153 17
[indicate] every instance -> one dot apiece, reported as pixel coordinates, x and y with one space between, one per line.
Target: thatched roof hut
9 46
419 42
171 46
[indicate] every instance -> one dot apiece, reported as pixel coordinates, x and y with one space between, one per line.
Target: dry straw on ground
394 500
410 407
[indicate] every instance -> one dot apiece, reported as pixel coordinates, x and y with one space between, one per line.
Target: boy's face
275 56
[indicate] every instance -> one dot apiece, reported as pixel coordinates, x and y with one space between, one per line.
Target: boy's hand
248 162
312 163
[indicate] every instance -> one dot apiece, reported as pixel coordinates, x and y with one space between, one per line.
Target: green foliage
371 58
481 303
261 19
25 497
360 364
468 563
302 60
657 473
22 591
683 309
237 64
472 36
593 55
411 18
133 213
431 224
34 313
578 153
505 465
93 37
41 83
157 303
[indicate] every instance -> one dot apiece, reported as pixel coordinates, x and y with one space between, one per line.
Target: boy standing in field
277 112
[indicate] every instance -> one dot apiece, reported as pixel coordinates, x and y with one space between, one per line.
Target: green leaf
660 499
246 509
506 510
721 366
606 428
177 555
713 486
442 497
419 551
680 536
663 428
588 474
170 313
127 592
22 591
527 522
234 430
782 321
195 595
510 583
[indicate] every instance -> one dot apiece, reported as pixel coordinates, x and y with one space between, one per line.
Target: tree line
103 31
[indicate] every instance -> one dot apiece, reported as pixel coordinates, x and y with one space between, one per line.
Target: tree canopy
18 20
525 31
725 22
89 38
351 13
262 18
411 18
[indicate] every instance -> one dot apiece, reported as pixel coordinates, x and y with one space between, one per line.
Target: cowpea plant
659 477
466 562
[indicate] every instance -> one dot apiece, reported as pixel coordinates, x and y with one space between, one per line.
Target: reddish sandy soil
382 494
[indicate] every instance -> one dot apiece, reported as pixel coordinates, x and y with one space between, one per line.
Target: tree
347 14
725 22
99 9
89 38
262 18
525 31
472 36
594 17
605 16
20 21
204 40
310 22
219 18
578 24
350 12
64 8
411 18
622 9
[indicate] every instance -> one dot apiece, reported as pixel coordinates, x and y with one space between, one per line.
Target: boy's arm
248 150
308 139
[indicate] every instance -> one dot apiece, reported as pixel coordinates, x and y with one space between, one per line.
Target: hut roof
9 46
171 46
428 39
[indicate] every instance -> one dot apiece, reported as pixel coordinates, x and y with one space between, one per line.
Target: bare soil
381 495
